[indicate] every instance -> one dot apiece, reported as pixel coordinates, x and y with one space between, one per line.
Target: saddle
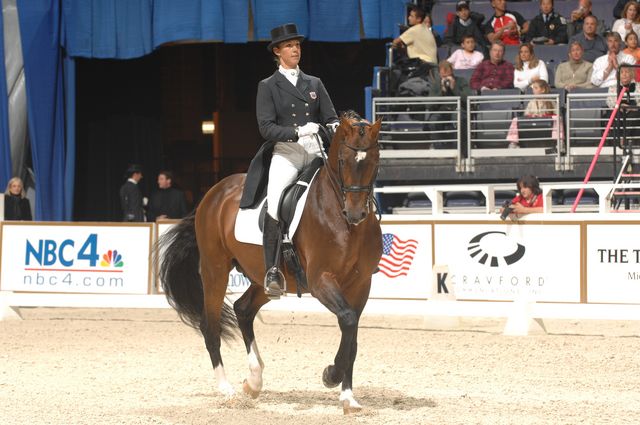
286 213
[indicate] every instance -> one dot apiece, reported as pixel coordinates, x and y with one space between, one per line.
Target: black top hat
132 169
283 33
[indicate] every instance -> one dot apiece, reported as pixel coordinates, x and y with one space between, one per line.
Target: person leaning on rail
529 199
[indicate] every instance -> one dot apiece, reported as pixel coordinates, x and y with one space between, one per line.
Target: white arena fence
436 263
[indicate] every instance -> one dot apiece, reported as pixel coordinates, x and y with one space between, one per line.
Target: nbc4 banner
404 270
76 258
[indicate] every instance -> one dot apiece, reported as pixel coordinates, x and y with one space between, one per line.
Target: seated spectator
505 25
629 22
528 68
578 16
626 79
493 73
593 44
418 39
548 27
465 23
631 40
605 67
529 198
576 72
618 8
428 21
466 57
536 108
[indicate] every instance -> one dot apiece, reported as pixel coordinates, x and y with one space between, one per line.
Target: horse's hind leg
214 284
246 308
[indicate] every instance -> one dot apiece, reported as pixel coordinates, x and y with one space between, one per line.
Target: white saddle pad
247 229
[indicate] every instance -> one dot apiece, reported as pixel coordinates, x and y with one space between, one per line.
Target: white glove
310 144
308 129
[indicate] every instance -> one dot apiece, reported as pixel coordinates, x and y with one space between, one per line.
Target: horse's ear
344 123
375 128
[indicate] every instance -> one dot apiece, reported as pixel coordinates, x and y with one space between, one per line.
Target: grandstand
558 149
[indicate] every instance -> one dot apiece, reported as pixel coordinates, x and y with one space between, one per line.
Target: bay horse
338 240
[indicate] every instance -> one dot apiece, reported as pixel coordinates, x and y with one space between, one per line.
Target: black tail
179 265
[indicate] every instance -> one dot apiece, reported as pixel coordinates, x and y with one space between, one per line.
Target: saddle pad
247 229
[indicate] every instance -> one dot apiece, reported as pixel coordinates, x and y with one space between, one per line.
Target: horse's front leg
328 292
246 307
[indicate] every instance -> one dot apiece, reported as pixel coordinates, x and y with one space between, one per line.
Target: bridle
337 182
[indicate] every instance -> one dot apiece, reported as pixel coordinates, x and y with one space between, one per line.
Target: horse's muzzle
354 217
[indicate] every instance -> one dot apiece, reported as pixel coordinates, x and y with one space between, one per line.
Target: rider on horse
290 107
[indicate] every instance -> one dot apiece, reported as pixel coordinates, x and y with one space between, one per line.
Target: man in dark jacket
466 23
130 195
167 201
548 27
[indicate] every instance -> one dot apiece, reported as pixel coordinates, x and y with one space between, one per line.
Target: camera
447 83
506 210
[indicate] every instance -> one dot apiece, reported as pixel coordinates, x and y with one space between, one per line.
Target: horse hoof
348 409
326 378
249 391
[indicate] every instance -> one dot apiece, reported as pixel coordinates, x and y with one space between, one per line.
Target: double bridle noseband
337 182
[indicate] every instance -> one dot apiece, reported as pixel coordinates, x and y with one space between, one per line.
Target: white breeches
287 161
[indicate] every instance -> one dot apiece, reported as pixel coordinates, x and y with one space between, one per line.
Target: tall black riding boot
274 279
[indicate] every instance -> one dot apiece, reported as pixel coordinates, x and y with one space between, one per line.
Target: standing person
130 195
605 68
418 39
505 25
16 205
290 107
548 27
576 72
493 73
528 68
167 201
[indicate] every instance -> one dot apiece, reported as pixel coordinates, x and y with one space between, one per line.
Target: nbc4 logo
48 252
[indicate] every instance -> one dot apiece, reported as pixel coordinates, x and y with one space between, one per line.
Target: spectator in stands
528 68
605 67
618 8
578 17
529 198
535 108
428 21
167 201
467 57
548 27
626 79
631 40
16 205
593 44
576 72
131 196
629 22
493 73
505 25
465 23
418 39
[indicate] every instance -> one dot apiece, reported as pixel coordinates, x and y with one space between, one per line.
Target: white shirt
522 79
460 59
132 181
618 26
597 76
290 74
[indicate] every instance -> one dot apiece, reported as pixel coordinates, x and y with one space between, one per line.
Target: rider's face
289 52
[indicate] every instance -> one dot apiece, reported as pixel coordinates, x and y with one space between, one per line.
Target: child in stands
631 40
466 57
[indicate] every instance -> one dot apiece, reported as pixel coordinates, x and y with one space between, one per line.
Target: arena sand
99 366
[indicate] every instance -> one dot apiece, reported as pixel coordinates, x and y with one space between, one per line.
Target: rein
337 182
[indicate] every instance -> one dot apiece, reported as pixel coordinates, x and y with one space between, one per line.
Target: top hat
132 169
462 4
283 33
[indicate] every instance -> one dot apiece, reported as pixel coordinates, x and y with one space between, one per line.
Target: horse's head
354 156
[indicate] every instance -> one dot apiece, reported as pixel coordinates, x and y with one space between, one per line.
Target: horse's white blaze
223 384
255 368
360 155
347 395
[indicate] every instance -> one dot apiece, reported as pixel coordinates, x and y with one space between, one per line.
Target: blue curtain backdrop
40 31
5 145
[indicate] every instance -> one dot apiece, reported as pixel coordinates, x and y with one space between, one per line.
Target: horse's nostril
344 213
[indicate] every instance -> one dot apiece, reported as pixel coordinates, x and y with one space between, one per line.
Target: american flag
397 255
